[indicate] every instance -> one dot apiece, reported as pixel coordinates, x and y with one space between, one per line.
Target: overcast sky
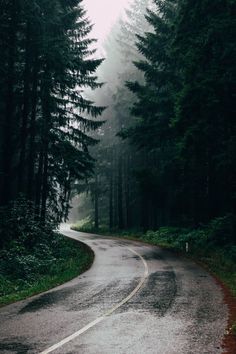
103 14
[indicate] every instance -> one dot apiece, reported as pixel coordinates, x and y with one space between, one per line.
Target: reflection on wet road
177 309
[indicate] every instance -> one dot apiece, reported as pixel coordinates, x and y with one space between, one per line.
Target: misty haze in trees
46 63
113 190
167 154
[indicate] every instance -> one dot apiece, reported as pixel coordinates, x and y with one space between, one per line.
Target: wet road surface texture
178 308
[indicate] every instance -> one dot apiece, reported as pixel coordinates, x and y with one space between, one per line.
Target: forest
144 138
167 154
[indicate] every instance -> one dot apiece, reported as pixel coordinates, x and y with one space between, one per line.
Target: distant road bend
136 299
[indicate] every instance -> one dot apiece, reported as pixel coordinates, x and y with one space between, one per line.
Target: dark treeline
173 109
45 64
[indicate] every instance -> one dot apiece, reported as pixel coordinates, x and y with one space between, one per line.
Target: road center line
108 313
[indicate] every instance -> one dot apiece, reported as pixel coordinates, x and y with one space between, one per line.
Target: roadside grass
70 259
205 246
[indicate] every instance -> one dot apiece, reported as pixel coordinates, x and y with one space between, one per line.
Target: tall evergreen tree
46 63
154 110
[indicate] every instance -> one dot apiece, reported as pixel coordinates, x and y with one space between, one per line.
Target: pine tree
45 117
154 110
65 117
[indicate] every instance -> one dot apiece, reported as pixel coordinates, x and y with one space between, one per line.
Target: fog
103 14
116 30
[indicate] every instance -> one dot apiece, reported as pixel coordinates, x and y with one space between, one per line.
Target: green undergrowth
24 273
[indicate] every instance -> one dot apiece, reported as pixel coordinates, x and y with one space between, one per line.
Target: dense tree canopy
205 109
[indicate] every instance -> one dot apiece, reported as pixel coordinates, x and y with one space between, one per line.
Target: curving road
135 299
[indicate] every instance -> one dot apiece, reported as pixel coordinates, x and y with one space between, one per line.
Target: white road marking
108 313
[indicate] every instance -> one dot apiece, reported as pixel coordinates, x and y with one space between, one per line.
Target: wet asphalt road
178 310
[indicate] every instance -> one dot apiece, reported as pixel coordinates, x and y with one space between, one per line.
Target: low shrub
18 263
33 256
222 230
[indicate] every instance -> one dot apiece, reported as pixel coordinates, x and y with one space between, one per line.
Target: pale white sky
103 14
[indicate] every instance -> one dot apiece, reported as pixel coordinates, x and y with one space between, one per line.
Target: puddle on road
15 347
157 295
102 249
152 255
52 298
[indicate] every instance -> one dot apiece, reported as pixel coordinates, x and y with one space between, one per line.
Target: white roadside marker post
187 247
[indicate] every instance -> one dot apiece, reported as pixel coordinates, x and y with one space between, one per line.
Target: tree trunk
44 185
127 192
96 196
39 182
120 195
46 124
25 115
32 149
6 190
111 213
